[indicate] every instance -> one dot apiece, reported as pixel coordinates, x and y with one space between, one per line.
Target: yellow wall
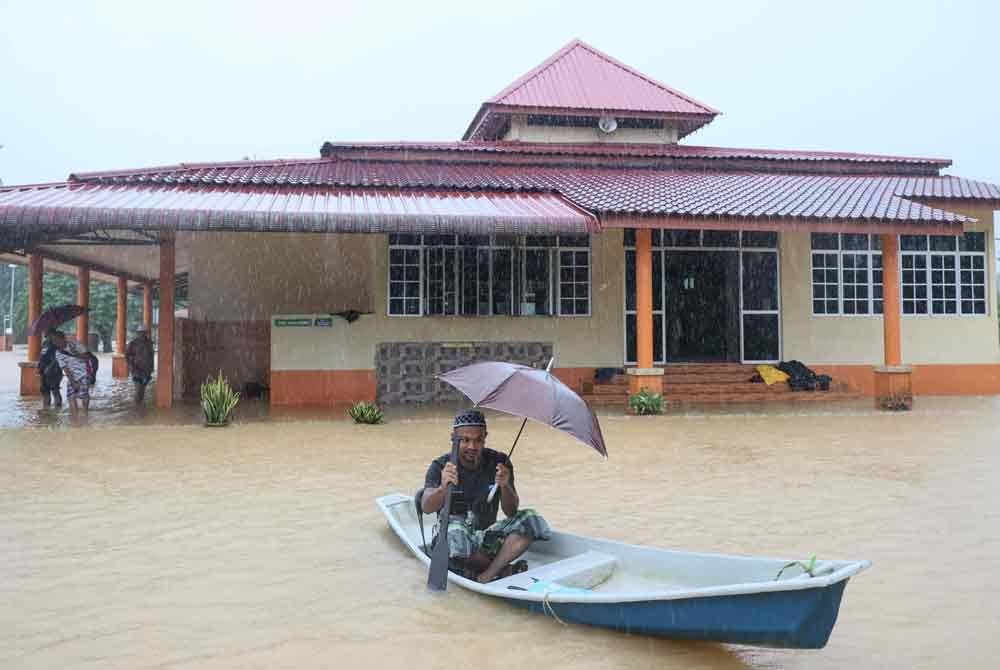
858 339
249 277
520 131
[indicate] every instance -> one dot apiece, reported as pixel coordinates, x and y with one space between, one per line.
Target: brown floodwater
148 541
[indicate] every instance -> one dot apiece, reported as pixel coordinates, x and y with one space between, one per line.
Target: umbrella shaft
514 446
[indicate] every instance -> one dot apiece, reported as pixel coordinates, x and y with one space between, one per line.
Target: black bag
92 364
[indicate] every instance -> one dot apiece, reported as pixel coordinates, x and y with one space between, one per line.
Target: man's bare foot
515 568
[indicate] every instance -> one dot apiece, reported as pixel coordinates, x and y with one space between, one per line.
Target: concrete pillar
83 299
147 307
644 376
30 382
165 345
119 367
893 381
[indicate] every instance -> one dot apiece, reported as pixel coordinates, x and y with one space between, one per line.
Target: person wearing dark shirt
51 374
139 356
486 547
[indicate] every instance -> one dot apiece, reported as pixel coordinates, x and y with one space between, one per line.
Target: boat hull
800 619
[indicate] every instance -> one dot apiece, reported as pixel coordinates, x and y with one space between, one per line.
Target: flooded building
572 219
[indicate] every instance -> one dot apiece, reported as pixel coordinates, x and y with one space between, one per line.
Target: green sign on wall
292 323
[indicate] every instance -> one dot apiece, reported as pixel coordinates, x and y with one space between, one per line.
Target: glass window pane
397 238
503 285
537 283
630 280
760 337
943 243
760 239
721 238
760 280
913 242
823 241
574 240
681 238
854 242
972 242
628 238
630 352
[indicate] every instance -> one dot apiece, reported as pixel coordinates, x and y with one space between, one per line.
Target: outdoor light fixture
607 124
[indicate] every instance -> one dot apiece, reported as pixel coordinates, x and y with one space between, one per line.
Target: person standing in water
72 358
50 373
139 356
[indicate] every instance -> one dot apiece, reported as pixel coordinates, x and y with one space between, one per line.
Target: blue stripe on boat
799 619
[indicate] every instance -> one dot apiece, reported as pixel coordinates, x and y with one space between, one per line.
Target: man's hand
503 476
449 475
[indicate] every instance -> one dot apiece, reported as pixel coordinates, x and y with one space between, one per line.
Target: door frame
703 249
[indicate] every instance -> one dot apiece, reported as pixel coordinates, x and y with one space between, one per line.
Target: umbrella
529 393
53 317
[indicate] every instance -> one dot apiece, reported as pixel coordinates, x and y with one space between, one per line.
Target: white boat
634 589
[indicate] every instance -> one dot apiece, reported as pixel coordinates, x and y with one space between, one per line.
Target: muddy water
259 546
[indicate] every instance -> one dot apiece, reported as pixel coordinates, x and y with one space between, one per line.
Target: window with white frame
943 274
404 280
846 273
489 275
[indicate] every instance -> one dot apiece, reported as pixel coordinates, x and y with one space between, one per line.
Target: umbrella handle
493 486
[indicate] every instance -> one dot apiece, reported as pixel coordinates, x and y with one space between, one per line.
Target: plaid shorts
464 540
77 391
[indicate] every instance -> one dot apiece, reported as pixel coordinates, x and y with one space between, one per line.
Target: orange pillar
83 299
34 304
644 298
893 381
30 381
890 300
165 345
644 376
119 367
147 307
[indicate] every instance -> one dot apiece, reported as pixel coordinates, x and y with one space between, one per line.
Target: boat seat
583 571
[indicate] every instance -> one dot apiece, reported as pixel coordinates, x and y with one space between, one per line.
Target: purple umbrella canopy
54 316
529 393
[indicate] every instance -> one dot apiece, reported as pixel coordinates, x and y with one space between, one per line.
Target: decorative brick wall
405 370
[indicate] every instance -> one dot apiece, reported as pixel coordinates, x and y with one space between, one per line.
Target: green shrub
645 402
365 412
218 399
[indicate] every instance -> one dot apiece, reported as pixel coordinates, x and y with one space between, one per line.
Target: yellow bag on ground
771 374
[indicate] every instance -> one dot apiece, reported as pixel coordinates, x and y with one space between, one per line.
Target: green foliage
644 402
218 399
365 412
61 290
808 567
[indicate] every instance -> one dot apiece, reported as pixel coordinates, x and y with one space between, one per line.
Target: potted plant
365 412
218 400
644 402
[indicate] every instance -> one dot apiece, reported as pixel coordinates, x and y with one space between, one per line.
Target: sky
104 85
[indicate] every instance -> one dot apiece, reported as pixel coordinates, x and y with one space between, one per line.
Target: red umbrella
530 393
54 316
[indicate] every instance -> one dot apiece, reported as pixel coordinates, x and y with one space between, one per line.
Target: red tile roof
764 158
645 191
579 78
259 208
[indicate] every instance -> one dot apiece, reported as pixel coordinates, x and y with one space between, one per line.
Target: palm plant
218 400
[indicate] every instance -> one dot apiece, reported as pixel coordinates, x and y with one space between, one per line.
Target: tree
60 289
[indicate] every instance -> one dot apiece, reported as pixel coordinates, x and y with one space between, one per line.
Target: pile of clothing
796 373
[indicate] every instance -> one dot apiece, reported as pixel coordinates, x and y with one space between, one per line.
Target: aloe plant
644 402
365 412
809 567
218 399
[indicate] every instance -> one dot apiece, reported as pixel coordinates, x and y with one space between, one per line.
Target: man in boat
485 548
